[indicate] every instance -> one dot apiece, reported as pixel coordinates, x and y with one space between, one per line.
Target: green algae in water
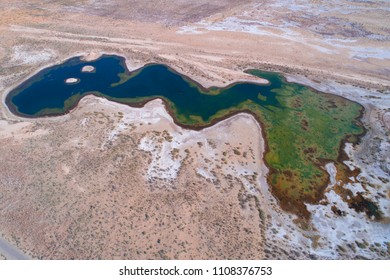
305 131
303 128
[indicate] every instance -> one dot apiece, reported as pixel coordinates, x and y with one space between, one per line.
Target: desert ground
108 181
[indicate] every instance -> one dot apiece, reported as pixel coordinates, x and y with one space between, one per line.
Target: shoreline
123 58
302 212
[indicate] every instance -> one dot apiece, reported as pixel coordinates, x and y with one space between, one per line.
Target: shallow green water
303 128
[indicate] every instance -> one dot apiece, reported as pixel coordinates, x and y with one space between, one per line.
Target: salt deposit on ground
26 55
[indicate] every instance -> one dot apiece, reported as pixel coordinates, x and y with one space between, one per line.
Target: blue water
46 93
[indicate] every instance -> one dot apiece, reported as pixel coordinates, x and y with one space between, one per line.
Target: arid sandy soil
108 181
126 183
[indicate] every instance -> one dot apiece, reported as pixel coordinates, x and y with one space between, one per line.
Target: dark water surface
48 92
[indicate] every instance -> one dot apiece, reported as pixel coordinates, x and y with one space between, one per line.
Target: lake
303 128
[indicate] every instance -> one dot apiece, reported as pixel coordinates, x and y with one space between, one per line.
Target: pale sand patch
88 69
26 55
2 53
93 55
213 75
332 171
386 120
72 80
23 130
